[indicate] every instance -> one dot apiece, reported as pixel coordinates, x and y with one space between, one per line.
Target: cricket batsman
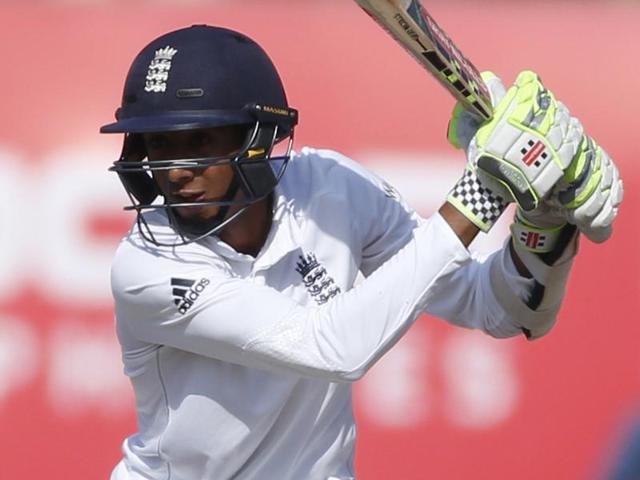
240 326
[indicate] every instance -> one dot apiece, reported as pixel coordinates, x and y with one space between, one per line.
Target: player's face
182 185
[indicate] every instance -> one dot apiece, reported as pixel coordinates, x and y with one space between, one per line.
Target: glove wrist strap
479 204
534 238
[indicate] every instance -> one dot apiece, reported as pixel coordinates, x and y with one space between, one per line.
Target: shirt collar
282 239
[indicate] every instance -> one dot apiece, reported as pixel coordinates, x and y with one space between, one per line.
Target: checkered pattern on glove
476 202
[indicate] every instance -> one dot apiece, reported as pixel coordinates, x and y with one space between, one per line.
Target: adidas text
186 298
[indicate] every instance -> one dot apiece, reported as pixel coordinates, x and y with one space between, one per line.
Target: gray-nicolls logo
186 292
159 67
318 282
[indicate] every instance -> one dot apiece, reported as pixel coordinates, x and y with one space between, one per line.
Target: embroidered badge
159 67
319 284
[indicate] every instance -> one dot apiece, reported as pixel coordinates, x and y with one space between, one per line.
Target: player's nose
180 175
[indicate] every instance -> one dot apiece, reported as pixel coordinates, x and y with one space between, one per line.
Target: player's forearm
461 226
536 314
521 268
467 231
505 278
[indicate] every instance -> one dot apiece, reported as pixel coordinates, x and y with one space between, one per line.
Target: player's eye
157 142
200 140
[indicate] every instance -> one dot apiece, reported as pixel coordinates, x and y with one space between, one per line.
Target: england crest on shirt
315 278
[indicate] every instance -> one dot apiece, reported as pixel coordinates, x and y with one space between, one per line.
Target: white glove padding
588 196
590 192
524 150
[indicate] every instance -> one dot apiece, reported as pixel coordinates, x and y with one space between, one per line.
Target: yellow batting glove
525 149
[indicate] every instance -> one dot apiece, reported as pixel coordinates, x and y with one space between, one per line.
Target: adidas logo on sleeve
186 292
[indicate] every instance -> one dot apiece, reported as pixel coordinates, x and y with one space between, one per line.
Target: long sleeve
237 321
486 292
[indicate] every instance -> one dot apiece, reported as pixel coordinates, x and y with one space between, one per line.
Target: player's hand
588 196
527 146
525 149
590 192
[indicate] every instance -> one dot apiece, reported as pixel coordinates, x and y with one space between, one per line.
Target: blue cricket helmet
197 77
194 78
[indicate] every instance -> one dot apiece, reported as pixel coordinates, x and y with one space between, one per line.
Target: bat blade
411 26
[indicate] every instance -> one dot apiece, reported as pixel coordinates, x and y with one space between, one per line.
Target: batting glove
590 192
520 154
588 196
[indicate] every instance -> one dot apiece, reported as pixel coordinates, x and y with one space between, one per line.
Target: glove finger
560 126
598 235
609 211
601 228
571 142
605 218
601 208
462 127
609 174
585 213
495 86
535 106
611 184
617 193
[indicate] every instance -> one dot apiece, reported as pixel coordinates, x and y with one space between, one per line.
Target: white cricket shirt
242 366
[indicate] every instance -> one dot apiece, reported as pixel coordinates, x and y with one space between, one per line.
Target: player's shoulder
323 170
323 161
140 263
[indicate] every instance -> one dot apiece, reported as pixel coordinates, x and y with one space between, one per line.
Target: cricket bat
410 24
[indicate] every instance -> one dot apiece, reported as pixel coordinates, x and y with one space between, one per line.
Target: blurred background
445 403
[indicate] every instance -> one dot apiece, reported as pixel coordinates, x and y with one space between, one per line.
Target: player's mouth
195 211
189 196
